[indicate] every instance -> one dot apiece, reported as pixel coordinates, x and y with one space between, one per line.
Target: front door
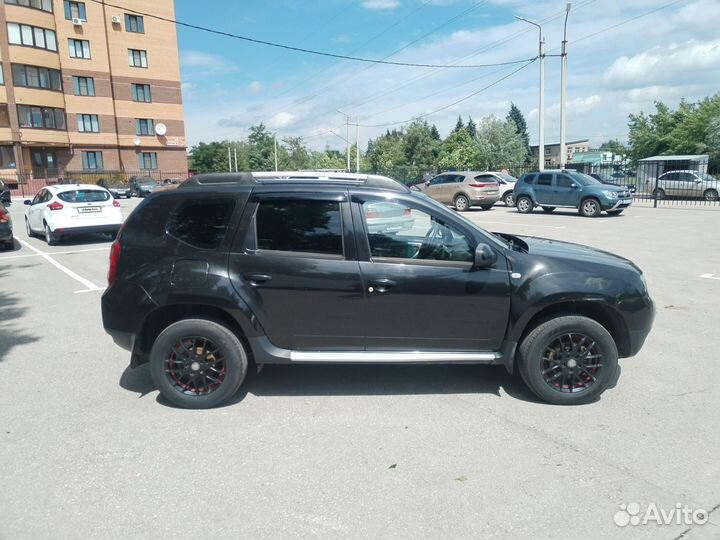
423 292
297 270
435 187
567 191
34 213
543 188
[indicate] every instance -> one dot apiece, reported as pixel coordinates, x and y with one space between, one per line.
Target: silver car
463 190
687 184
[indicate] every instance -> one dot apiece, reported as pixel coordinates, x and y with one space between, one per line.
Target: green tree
516 115
386 153
262 149
420 147
204 157
499 145
458 152
435 133
327 159
459 125
471 127
298 156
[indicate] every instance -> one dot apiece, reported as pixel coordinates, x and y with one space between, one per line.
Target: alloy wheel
571 363
711 195
195 366
461 203
523 205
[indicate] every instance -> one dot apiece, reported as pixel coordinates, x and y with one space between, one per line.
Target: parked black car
141 186
6 228
229 268
4 193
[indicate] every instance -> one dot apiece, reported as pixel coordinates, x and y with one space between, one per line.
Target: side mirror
28 202
427 182
485 256
574 186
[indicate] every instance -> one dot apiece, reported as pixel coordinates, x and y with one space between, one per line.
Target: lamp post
563 91
541 107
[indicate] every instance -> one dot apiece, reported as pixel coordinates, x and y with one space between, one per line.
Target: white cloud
381 4
282 120
255 87
205 61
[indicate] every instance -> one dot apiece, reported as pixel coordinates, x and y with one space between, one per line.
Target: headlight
611 194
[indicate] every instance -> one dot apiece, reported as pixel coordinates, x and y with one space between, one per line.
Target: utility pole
541 107
563 91
229 160
236 167
347 137
357 146
276 159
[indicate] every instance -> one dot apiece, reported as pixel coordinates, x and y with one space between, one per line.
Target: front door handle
257 279
381 285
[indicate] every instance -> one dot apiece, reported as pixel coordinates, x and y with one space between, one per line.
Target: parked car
6 228
614 180
65 210
116 187
553 189
463 190
687 184
506 183
4 193
141 186
233 269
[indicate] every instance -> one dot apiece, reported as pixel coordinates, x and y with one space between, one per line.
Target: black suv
229 269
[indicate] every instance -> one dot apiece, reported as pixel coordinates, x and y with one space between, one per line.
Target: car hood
567 251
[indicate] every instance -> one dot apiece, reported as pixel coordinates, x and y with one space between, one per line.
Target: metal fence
27 185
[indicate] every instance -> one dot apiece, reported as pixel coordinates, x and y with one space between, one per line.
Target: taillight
55 206
4 216
480 185
116 204
371 214
114 260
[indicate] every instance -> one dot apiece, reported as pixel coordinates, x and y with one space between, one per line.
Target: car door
422 289
567 190
434 188
296 268
34 213
543 188
693 185
669 183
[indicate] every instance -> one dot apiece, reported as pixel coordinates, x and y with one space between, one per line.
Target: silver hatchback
463 190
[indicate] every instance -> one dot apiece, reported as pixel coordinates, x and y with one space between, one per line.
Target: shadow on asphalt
11 310
358 380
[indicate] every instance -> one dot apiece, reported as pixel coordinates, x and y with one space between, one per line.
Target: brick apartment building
87 87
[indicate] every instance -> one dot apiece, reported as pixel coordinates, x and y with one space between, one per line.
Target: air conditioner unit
116 19
77 21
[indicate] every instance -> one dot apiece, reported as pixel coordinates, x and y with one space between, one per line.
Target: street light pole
541 107
563 92
357 146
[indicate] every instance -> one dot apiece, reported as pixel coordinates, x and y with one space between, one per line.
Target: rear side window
202 223
529 178
84 196
300 226
544 180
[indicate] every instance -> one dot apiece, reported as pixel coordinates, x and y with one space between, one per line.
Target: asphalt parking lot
88 451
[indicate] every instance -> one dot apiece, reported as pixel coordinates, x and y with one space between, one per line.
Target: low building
552 152
598 158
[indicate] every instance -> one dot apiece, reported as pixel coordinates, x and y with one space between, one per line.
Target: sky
622 56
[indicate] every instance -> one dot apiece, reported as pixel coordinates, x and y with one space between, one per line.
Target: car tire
193 382
486 206
524 204
548 209
50 237
569 360
28 230
590 208
9 245
462 203
659 194
509 199
711 195
615 212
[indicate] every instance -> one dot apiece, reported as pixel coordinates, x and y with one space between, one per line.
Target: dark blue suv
569 189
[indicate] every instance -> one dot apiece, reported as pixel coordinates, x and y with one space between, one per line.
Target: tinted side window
544 180
302 226
529 178
201 223
438 180
563 180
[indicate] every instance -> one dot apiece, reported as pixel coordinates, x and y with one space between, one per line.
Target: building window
75 10
88 123
141 92
7 156
84 86
144 126
92 161
148 161
2 74
137 58
4 116
79 48
44 5
36 77
35 117
134 23
31 36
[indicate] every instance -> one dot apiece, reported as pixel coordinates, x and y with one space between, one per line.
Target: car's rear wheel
615 212
590 208
486 206
509 199
462 203
198 363
711 195
569 360
525 204
50 236
548 209
659 194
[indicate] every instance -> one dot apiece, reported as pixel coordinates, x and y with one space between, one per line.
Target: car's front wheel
590 208
711 195
569 360
525 204
28 230
198 363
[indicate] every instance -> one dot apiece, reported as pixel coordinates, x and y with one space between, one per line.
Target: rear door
297 269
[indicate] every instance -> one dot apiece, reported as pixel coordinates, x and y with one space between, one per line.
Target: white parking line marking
518 223
87 284
711 276
53 253
96 289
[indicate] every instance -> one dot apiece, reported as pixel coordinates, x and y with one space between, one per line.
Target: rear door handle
257 279
381 285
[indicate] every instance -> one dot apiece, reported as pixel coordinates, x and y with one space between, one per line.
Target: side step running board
392 357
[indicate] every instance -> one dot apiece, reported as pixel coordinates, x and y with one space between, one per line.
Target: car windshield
507 177
585 180
148 183
707 177
84 196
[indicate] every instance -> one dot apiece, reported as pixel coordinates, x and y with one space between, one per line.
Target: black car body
290 272
6 228
4 193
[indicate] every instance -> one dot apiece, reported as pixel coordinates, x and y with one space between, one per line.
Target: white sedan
64 210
